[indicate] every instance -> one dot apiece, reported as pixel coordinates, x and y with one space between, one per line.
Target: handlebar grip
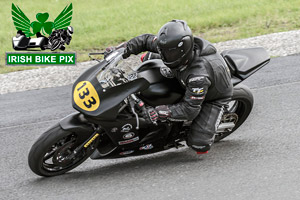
96 53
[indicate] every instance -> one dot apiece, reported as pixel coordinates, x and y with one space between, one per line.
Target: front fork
90 142
76 122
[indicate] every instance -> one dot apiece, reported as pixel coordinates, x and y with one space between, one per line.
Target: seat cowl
244 62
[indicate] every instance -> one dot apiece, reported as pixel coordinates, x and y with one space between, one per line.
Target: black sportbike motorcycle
110 99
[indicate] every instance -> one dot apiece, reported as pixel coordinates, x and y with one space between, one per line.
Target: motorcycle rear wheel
49 154
242 104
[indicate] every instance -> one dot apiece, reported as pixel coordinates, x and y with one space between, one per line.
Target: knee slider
199 147
202 148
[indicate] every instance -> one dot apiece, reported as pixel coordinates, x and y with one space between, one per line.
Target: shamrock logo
41 24
21 21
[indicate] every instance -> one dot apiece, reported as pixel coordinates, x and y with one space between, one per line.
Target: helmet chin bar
174 64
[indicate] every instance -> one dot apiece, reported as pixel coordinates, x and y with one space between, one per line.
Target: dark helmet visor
170 55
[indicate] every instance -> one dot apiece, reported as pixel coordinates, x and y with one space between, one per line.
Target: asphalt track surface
261 160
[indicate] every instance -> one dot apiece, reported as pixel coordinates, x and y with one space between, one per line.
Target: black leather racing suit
206 80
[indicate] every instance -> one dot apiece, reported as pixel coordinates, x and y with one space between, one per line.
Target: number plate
85 96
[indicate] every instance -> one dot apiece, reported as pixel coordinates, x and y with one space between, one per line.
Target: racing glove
163 112
151 115
127 51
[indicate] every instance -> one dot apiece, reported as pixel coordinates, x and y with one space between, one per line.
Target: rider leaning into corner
199 69
64 35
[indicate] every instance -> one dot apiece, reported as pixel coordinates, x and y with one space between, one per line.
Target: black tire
55 45
244 100
49 140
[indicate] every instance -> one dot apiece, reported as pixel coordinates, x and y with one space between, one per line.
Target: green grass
101 23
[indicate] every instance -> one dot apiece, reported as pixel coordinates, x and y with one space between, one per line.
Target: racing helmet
70 30
175 43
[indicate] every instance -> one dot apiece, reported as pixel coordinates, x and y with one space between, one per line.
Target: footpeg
177 145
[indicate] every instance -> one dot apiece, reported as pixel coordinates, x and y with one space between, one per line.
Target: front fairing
93 97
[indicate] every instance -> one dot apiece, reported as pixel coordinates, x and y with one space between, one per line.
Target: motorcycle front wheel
55 45
51 154
239 108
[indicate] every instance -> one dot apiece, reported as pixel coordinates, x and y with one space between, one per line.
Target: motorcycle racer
62 34
199 69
